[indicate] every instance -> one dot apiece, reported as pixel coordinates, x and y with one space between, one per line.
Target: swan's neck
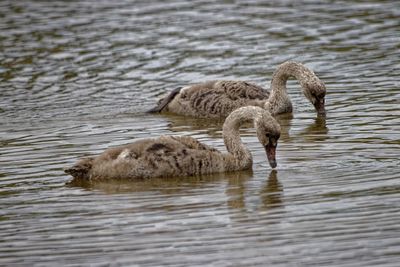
279 101
239 156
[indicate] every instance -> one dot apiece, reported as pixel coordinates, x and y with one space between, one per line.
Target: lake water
77 76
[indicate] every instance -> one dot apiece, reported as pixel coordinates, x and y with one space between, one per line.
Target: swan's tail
165 101
81 169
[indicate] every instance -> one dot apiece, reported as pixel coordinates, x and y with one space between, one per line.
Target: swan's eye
319 95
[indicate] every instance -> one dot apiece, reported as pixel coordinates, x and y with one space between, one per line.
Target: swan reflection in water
235 184
270 194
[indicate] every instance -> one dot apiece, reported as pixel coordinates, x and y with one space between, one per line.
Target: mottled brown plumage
217 99
182 155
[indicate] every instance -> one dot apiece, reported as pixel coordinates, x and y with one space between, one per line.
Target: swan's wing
147 158
181 156
241 90
232 90
159 157
191 143
211 99
217 98
163 146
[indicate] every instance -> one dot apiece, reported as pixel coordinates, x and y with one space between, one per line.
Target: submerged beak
270 150
320 106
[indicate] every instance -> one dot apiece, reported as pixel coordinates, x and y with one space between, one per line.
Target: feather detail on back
161 157
216 99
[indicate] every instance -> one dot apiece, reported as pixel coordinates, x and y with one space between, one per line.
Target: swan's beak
270 150
320 106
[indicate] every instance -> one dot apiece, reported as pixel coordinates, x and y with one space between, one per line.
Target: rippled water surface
77 76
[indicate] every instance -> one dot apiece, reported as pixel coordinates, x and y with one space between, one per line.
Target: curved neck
279 101
239 156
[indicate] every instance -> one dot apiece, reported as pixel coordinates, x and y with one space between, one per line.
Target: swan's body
217 99
181 155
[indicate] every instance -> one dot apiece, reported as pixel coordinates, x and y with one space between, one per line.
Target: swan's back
213 99
161 157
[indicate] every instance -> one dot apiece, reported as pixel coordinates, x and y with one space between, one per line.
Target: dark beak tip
270 150
273 164
320 109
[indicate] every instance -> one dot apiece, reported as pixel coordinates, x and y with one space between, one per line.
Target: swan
182 155
217 99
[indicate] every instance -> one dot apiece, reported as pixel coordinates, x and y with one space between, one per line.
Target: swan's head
315 92
268 133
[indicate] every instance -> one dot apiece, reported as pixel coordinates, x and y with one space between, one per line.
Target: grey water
76 77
